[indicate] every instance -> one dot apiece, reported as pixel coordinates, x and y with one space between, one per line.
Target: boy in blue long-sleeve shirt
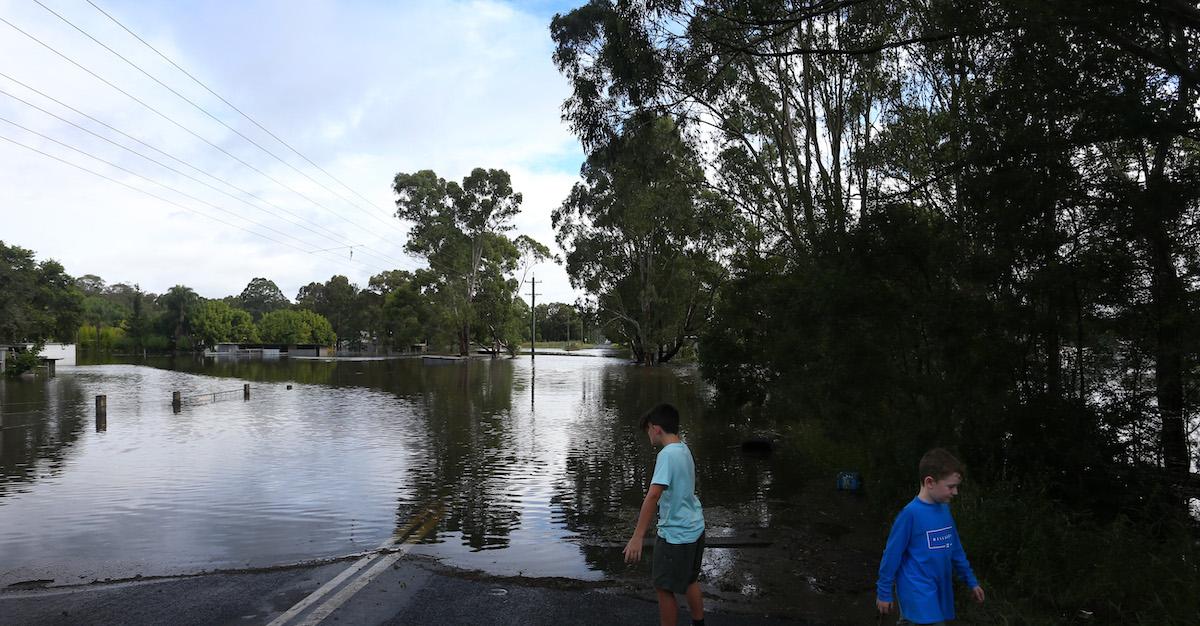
923 551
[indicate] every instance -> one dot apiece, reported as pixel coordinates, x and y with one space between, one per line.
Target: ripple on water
497 467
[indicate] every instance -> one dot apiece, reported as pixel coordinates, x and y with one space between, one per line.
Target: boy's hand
883 607
977 593
633 550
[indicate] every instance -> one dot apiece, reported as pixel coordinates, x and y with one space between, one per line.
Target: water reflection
529 471
469 459
40 422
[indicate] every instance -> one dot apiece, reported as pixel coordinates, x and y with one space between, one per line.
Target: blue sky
363 89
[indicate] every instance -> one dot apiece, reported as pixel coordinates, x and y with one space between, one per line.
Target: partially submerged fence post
246 391
176 402
101 413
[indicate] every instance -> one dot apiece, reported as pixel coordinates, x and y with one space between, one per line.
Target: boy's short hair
663 415
939 463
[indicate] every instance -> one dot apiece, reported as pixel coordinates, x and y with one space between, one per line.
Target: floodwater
508 466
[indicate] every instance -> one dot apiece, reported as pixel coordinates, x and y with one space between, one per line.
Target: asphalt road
384 589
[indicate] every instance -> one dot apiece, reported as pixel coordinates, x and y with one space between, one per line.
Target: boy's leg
668 610
695 601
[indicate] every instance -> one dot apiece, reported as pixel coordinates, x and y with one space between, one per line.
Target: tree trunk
1169 314
1169 307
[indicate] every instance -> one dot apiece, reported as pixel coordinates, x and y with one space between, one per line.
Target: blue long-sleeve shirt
922 554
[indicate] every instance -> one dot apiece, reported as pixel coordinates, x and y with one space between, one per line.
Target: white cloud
364 90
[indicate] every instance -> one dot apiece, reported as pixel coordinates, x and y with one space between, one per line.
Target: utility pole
533 281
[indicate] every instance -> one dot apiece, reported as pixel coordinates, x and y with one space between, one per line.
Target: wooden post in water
176 402
246 391
50 367
101 409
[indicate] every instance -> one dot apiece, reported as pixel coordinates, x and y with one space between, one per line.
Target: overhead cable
180 125
207 112
327 233
151 181
153 195
143 191
231 105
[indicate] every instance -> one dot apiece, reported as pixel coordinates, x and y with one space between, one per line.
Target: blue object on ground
849 481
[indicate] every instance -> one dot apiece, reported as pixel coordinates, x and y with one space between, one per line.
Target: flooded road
529 468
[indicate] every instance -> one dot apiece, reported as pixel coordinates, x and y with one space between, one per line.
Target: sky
358 91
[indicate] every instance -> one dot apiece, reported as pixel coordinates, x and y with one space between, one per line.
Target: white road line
320 613
316 596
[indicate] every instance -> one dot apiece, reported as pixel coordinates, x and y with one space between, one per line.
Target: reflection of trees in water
471 454
609 461
400 376
271 370
40 421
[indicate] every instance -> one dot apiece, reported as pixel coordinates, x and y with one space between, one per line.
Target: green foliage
38 301
298 326
405 314
216 322
262 296
960 224
96 339
181 306
139 323
1116 569
17 363
460 230
341 302
104 316
559 322
642 236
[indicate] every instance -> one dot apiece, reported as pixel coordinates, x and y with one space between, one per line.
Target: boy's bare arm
633 549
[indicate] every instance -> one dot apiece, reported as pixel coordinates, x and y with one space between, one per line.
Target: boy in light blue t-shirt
679 546
923 550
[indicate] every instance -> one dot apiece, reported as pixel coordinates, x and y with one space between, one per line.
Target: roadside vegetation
914 224
398 311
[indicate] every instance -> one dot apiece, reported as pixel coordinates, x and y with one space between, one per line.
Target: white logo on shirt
939 539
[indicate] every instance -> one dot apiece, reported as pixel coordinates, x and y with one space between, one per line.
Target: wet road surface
408 591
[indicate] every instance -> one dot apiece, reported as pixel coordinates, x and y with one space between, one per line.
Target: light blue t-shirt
922 554
680 519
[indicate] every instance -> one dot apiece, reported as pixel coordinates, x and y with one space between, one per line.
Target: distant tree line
396 311
914 223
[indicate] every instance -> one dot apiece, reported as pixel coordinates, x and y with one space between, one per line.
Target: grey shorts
675 566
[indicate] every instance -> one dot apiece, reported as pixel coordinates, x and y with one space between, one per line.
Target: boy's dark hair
939 464
664 415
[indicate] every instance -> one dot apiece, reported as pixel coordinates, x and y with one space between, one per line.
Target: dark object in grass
758 444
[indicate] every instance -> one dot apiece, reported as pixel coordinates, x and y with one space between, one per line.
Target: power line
181 126
163 185
143 191
152 195
230 105
203 110
173 169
